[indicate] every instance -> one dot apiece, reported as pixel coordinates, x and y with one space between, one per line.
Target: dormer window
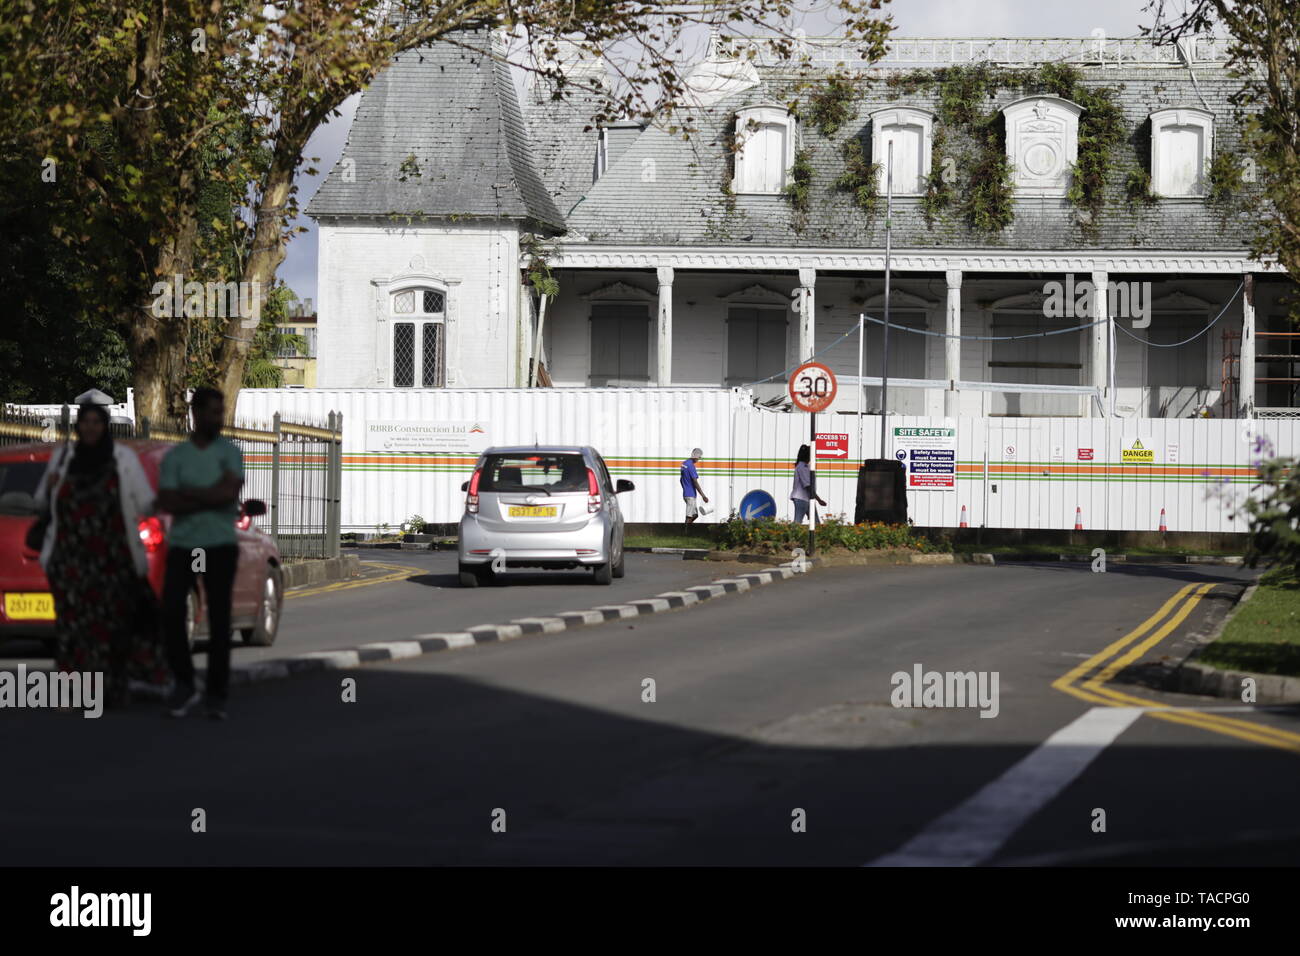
1181 147
1042 144
909 130
765 140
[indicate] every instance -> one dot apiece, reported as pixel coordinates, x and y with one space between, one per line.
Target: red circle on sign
812 387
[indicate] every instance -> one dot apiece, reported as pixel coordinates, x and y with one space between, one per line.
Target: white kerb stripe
974 831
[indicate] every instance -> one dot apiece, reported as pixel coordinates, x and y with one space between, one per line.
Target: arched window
418 346
909 130
1042 144
1181 146
765 138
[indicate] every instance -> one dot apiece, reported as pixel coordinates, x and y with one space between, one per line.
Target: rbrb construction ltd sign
930 456
468 436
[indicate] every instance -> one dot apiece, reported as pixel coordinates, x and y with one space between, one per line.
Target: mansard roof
666 189
440 134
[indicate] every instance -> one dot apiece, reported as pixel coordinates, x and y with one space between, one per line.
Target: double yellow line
394 572
1130 648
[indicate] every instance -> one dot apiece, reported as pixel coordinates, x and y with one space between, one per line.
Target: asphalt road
767 705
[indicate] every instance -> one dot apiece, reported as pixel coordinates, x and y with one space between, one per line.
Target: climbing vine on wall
831 105
860 177
799 189
978 143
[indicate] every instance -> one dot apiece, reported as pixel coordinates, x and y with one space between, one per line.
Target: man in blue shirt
691 485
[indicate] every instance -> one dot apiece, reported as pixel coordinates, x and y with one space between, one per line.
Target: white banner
426 436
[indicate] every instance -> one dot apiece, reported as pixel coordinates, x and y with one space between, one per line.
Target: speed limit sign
812 387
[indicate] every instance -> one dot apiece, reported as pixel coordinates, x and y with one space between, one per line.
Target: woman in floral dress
95 562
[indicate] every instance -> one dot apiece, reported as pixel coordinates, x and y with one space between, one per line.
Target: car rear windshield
18 482
534 471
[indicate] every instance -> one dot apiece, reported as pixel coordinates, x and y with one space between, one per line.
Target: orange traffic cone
963 523
1078 518
1163 525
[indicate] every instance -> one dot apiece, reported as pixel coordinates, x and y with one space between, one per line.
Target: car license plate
526 511
29 606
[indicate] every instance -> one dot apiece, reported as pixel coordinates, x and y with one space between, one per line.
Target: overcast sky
912 18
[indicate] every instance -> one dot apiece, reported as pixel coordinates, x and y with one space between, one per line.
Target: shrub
771 535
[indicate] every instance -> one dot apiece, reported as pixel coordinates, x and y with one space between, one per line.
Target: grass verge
1263 637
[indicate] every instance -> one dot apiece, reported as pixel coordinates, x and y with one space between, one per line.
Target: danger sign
1085 454
1138 454
832 445
812 387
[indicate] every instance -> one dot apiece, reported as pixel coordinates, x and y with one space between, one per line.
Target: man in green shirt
199 484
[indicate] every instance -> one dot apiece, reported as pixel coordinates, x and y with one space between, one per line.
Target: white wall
476 261
1034 477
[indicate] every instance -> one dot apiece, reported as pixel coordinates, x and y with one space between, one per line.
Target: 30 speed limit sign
812 387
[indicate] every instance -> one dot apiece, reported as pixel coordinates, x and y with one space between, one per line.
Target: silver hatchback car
541 507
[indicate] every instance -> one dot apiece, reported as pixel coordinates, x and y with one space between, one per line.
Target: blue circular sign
757 504
901 454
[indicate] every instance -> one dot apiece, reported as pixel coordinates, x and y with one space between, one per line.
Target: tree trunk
259 271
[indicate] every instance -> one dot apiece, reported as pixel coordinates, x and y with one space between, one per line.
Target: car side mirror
464 486
254 507
623 485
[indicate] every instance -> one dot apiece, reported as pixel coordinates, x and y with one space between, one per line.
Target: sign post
812 389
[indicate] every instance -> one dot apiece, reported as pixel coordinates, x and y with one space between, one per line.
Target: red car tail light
471 499
151 534
593 492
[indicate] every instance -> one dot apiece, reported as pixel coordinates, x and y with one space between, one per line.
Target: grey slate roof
664 190
456 112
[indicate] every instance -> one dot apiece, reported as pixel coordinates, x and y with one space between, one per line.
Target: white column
952 346
1246 376
1100 339
808 316
664 339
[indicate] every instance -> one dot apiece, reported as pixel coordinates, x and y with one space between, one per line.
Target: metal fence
295 468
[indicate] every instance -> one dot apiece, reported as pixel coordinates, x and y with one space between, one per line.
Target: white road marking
973 832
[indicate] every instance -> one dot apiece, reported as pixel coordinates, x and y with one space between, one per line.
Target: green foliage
1138 189
938 190
1101 129
260 370
409 169
415 524
1274 513
770 536
860 177
831 106
799 189
987 204
1227 176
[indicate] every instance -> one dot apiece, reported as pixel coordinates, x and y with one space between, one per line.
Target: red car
26 605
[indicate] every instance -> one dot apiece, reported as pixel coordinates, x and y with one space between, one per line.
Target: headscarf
87 458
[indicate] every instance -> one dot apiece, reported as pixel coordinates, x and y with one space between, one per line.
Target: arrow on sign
832 452
750 513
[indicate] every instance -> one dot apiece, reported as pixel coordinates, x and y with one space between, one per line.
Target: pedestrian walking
92 497
199 484
690 478
803 489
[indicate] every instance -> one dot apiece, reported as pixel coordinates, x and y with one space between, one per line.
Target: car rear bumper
558 549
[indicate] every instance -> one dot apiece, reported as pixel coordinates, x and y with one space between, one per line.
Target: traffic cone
1078 518
963 523
1163 526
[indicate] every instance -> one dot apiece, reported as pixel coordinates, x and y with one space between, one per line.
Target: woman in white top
97 493
803 485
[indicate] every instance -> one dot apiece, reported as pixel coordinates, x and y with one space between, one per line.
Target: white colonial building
687 261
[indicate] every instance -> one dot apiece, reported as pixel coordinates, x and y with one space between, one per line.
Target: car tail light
151 534
471 500
593 492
